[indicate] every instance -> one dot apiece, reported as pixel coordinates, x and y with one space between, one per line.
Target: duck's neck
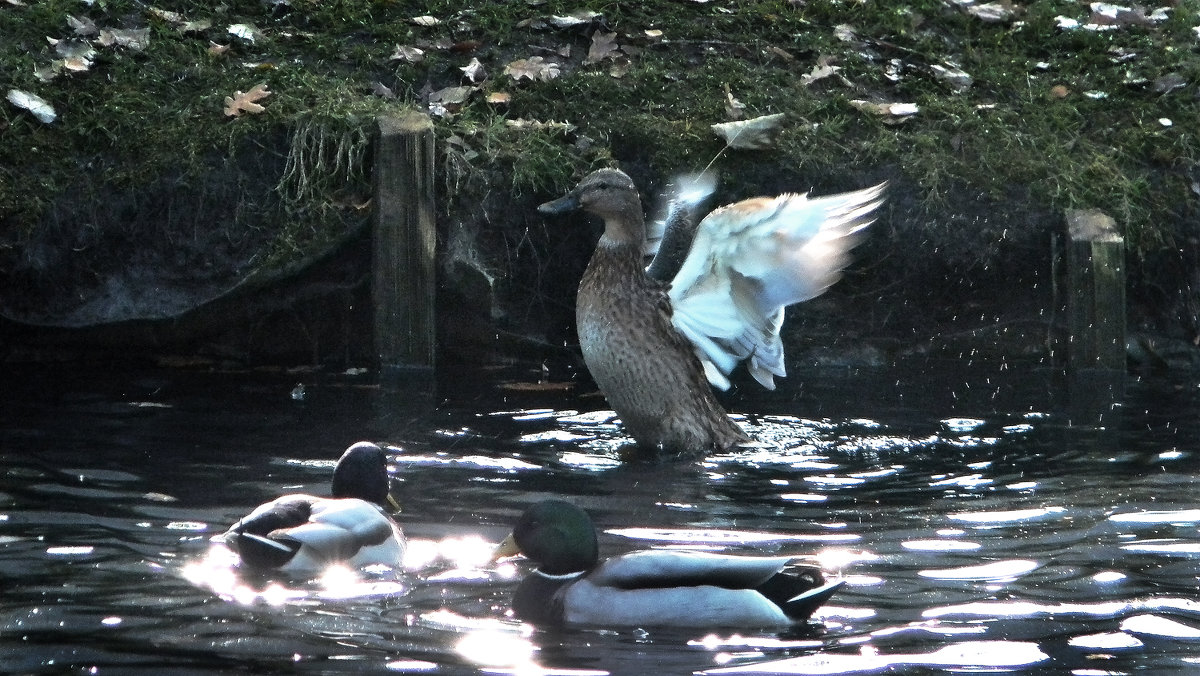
625 225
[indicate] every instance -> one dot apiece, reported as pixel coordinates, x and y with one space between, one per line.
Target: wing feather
749 261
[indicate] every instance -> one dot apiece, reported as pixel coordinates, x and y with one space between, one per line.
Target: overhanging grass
138 115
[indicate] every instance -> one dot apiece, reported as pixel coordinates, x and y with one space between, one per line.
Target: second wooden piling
404 244
1096 316
1096 288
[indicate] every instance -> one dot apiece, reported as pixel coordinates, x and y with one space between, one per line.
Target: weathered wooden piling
405 244
1095 260
1096 288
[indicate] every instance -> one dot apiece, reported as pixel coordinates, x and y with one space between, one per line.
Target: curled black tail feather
799 593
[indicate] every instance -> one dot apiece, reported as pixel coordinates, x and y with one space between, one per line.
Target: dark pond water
983 520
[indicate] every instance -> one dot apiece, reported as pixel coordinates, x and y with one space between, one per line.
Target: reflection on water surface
981 525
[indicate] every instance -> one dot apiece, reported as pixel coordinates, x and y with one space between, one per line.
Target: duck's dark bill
560 206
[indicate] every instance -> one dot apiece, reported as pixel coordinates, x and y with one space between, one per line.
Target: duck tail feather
803 605
257 551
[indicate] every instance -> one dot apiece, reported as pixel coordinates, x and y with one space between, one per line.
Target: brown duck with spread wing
656 348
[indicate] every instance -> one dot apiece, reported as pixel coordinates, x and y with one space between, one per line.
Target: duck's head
362 473
609 194
555 534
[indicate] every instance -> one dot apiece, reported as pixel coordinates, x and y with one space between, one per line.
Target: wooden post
1095 305
1096 288
405 244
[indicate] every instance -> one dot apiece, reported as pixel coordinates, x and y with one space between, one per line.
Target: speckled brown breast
646 369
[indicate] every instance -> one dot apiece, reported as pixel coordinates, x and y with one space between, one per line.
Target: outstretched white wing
752 259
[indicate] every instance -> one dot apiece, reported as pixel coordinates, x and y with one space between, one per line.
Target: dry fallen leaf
958 79
604 45
132 38
823 69
885 108
246 102
895 110
245 31
451 96
35 104
734 109
992 12
74 49
47 72
216 50
845 32
474 71
425 20
534 68
198 26
75 64
166 15
408 54
573 19
1169 83
757 133
499 98
82 27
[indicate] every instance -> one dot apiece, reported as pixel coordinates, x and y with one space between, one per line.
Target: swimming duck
304 533
651 587
656 349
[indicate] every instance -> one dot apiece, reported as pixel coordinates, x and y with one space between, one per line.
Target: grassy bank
1051 104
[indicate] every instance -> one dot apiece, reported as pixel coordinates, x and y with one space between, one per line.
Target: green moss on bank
1068 118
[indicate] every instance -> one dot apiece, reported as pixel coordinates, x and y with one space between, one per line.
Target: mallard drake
655 348
652 587
303 533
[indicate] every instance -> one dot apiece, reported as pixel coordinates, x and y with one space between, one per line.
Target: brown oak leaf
246 102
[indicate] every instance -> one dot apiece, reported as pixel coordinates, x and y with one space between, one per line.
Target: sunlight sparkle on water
1154 625
999 570
1009 516
1116 640
1183 517
561 436
967 654
589 461
803 497
1165 547
80 550
838 558
410 666
963 424
940 545
496 649
468 551
1025 609
714 642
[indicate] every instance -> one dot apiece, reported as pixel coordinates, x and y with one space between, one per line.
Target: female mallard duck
652 587
654 348
303 533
